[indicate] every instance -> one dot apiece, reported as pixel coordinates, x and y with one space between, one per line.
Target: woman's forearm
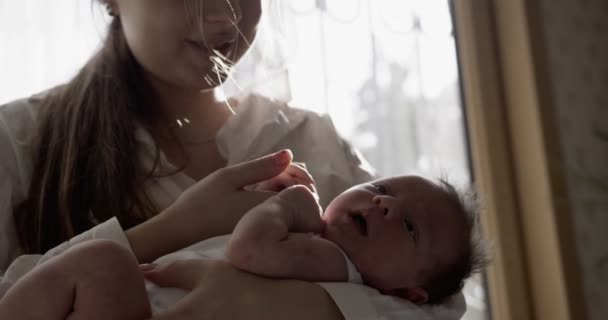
142 245
165 232
220 291
153 239
293 300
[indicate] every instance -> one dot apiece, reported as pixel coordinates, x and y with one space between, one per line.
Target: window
387 72
34 35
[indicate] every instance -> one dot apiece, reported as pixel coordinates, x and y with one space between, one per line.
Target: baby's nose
385 205
372 210
382 202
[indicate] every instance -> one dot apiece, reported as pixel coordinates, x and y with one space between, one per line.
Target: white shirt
260 127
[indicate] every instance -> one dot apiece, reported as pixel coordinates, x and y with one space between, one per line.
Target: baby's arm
274 239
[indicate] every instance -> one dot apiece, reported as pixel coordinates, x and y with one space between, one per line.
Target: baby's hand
302 207
294 174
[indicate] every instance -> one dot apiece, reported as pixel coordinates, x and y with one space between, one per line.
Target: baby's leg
95 280
109 285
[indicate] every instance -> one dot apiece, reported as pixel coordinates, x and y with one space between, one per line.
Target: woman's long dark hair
87 167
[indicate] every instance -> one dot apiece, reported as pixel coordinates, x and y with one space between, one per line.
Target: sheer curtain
43 42
385 70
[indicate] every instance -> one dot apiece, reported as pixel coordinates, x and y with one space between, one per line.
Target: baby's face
395 230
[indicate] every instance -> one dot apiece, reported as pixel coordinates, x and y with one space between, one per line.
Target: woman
131 144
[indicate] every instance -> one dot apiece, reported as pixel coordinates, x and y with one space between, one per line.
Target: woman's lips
224 47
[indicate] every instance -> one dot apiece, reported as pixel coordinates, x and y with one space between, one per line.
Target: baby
404 236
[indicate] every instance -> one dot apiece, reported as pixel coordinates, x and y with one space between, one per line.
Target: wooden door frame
516 160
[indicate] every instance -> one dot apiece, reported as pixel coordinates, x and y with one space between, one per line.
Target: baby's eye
380 188
411 229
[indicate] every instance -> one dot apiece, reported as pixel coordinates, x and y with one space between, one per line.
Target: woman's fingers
298 169
254 171
184 274
294 174
282 181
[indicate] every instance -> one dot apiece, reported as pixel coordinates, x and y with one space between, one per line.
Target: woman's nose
226 12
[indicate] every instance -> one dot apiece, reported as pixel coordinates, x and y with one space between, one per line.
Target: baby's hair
472 258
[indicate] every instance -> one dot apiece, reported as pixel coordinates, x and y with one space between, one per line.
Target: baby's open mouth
360 223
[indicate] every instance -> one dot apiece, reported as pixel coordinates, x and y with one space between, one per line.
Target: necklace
181 123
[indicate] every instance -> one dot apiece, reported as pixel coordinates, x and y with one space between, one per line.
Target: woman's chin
201 83
208 80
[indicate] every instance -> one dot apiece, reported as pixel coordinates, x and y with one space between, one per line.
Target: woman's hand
294 174
219 291
210 208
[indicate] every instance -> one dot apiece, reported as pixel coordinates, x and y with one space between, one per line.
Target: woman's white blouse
261 126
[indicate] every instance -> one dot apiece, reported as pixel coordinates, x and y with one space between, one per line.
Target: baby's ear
415 295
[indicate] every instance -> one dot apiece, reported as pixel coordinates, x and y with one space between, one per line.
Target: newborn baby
404 236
